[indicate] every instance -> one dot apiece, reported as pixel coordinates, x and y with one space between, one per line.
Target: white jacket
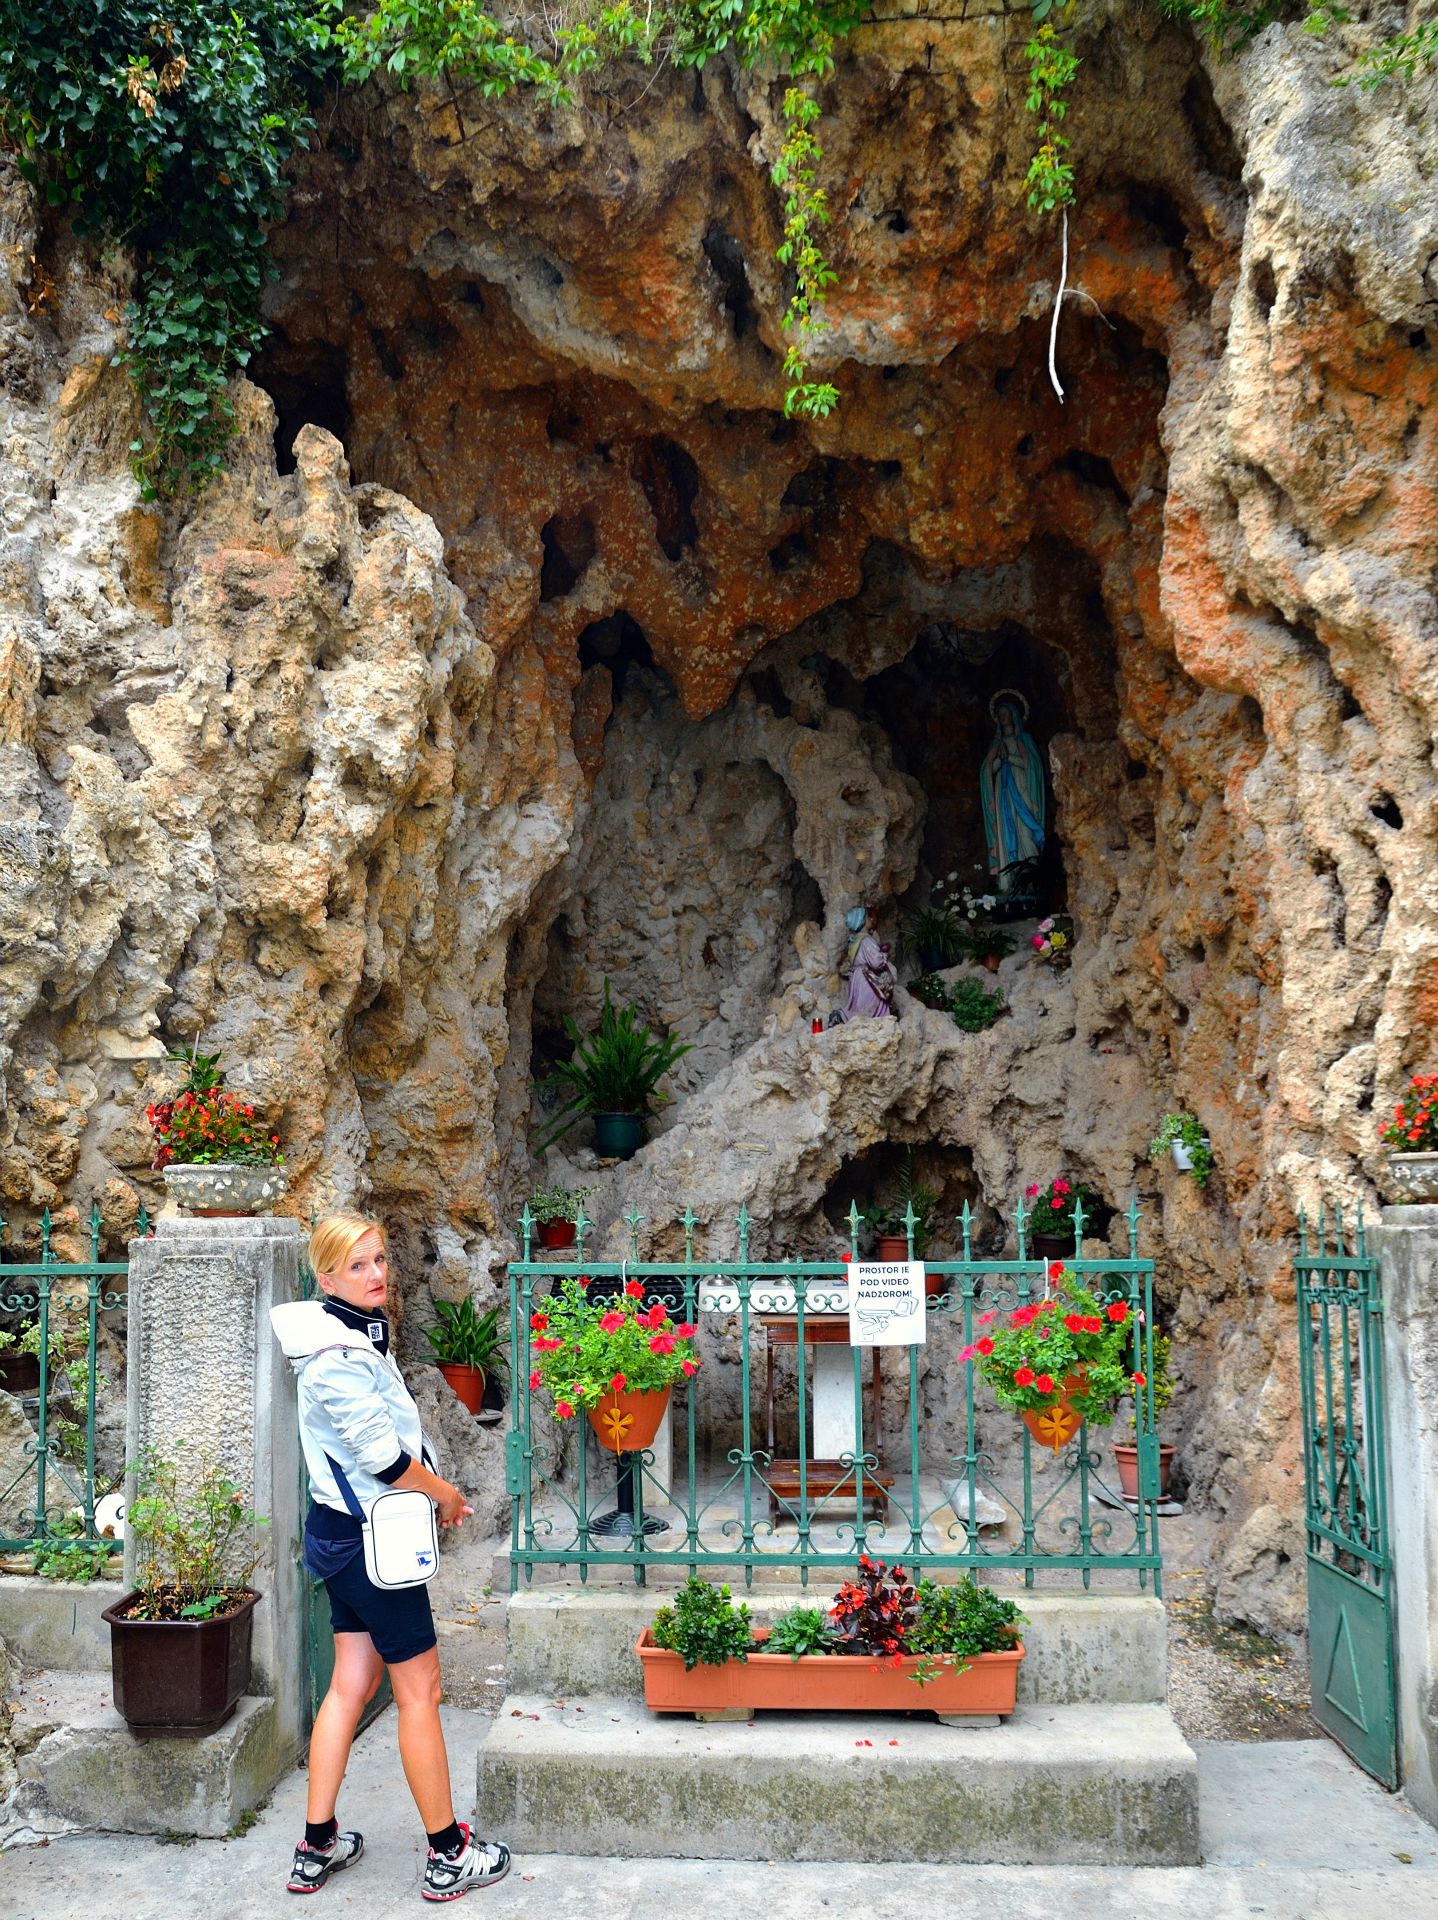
353 1403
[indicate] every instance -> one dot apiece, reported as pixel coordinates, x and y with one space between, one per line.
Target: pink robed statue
866 966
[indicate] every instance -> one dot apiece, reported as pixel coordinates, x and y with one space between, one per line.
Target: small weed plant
703 1625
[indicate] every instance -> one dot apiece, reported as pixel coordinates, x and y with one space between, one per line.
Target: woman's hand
451 1504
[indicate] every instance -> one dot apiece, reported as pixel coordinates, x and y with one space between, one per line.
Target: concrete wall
56 1623
1408 1250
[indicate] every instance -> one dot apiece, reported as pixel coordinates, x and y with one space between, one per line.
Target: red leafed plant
1414 1126
875 1612
203 1123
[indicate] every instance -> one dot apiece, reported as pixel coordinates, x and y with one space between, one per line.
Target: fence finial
1133 1216
688 1220
634 1220
853 1219
966 1222
743 1225
526 1228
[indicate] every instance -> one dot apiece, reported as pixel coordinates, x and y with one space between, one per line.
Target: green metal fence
50 1315
1350 1563
932 1503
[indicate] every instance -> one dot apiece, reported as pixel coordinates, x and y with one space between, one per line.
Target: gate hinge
514 1463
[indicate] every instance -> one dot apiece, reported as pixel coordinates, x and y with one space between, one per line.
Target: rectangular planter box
178 1679
826 1682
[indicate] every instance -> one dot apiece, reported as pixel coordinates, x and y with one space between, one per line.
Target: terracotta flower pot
827 1683
991 962
178 1679
554 1234
468 1385
627 1421
1126 1459
1058 1420
891 1246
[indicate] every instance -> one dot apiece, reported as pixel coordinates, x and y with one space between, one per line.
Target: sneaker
314 1865
478 1863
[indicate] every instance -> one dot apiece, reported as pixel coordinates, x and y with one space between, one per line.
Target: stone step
1054 1785
80 1767
1081 1647
56 1623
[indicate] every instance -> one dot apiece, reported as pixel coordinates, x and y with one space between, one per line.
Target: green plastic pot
617 1136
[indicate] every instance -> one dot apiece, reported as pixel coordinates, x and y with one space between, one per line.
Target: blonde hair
337 1235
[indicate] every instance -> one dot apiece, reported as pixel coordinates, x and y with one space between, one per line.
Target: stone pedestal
205 1373
1408 1251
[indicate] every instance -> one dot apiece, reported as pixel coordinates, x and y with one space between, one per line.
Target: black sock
448 1840
321 1833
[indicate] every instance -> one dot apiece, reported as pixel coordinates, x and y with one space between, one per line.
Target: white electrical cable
1058 303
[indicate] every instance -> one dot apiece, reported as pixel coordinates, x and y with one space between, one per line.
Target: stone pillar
205 1371
1408 1252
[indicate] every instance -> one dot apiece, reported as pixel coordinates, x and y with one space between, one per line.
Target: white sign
886 1303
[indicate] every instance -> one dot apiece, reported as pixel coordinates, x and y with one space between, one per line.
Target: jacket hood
303 1329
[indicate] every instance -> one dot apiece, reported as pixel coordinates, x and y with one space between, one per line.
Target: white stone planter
225 1188
1413 1177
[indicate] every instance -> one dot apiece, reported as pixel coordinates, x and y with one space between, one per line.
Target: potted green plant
880 1645
614 1075
180 1640
1052 1213
614 1358
1125 1453
467 1346
887 1220
1411 1137
932 936
554 1211
987 944
1180 1135
20 1357
1058 1361
218 1157
931 991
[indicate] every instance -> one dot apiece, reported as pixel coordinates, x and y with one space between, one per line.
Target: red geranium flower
967 1354
1045 1383
544 1345
985 1346
1117 1312
662 1343
689 1367
686 1330
635 1289
534 1381
1139 1379
563 1409
1024 1377
538 1322
1074 1322
1056 1269
611 1322
618 1383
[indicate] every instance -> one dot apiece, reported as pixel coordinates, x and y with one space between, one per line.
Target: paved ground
1291 1832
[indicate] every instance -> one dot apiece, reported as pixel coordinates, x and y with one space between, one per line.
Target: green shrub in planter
703 1626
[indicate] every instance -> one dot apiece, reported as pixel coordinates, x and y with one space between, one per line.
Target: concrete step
56 1623
79 1766
1088 1784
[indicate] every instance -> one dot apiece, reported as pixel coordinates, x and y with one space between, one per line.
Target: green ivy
167 135
1050 178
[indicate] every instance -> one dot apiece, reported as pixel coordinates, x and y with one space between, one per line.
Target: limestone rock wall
525 642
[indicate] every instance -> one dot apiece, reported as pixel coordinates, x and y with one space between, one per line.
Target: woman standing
355 1411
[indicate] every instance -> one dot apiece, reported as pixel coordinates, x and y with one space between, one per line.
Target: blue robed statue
1011 786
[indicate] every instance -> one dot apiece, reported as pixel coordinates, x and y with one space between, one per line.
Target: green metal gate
1350 1569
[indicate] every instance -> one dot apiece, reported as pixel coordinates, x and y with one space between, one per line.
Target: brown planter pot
1059 1420
1126 1458
468 1385
1052 1246
991 962
178 1679
20 1373
827 1683
554 1234
627 1421
891 1246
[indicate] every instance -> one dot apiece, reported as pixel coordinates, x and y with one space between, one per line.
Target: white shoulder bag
401 1541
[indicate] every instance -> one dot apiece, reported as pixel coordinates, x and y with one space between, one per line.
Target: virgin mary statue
1011 786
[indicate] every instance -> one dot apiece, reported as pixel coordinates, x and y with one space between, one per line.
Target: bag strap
342 1481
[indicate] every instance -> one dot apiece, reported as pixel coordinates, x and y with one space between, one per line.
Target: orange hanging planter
625 1421
1056 1423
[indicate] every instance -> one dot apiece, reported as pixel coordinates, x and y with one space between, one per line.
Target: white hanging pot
1183 1156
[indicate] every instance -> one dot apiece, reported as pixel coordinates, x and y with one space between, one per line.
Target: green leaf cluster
703 1626
556 1203
167 132
463 1338
1181 1129
1050 178
615 1069
799 1631
963 1619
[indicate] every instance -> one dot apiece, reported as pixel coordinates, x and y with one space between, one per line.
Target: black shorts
399 1622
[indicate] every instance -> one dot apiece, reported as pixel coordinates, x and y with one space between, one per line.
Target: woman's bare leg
422 1753
358 1671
